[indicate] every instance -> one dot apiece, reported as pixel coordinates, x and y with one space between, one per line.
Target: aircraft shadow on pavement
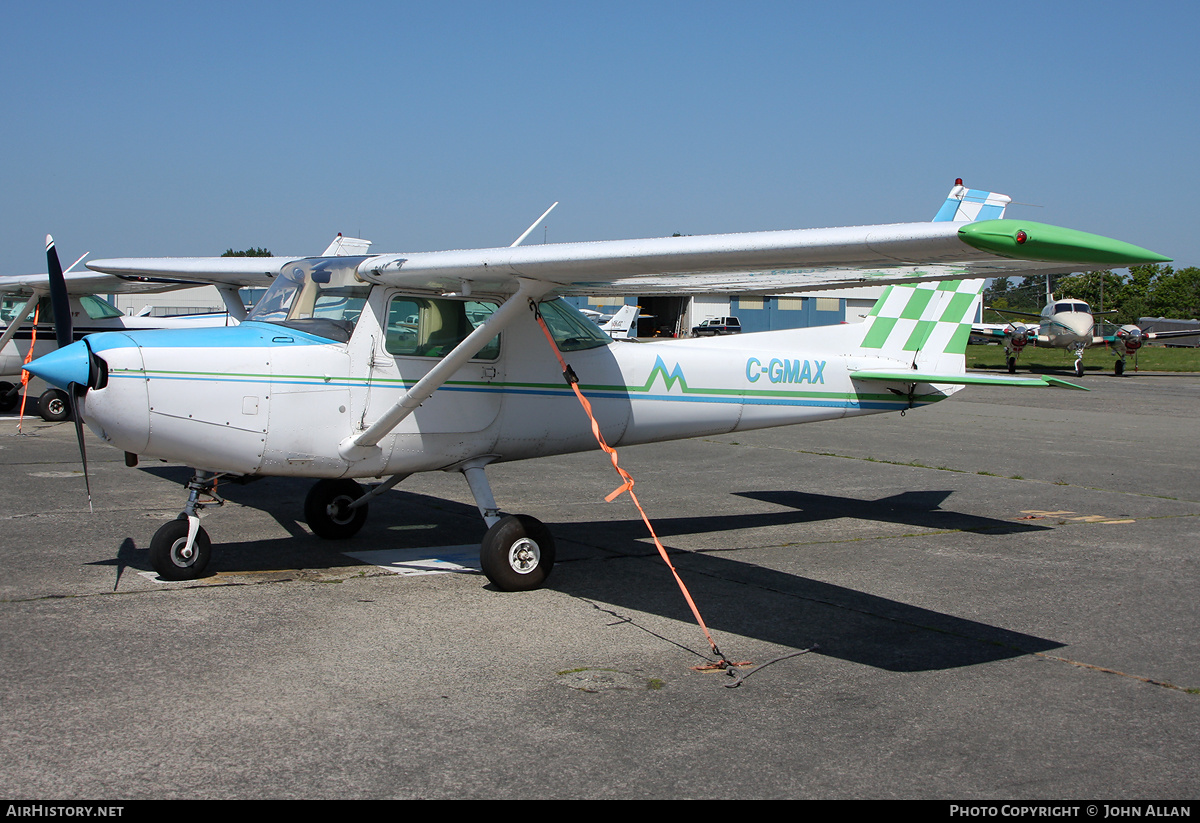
735 597
794 611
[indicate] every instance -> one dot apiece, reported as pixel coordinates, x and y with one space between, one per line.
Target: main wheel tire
327 509
166 551
54 406
517 553
8 396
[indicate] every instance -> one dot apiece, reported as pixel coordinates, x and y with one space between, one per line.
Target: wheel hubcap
339 510
524 556
181 555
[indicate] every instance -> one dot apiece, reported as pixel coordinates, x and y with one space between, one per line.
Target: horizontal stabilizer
914 376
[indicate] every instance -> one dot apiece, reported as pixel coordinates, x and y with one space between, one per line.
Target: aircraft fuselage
1066 324
265 399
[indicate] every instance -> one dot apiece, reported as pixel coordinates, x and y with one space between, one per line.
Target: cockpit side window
570 329
98 309
433 326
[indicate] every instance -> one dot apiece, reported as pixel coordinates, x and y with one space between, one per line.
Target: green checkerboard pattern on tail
924 320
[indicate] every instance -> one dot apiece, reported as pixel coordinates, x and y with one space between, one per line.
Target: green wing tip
1026 240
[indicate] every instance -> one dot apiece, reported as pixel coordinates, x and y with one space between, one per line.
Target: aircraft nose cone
1081 324
64 366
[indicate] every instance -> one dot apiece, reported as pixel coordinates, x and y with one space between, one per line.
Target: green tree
1154 290
247 253
1176 293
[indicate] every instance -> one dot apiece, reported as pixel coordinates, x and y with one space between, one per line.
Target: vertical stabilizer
925 325
623 324
965 205
342 246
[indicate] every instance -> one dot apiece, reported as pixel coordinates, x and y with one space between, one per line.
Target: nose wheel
180 550
172 556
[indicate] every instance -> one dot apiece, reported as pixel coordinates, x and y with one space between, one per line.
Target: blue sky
145 129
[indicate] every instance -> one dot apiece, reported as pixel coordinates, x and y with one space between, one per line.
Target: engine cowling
1020 335
1130 337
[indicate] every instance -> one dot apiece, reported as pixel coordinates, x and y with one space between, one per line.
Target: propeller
1131 336
64 331
1020 335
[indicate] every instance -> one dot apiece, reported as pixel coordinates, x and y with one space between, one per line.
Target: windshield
1070 308
320 295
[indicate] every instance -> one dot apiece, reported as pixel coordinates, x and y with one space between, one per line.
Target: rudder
924 324
968 205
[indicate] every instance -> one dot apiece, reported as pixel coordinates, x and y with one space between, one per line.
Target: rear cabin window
433 326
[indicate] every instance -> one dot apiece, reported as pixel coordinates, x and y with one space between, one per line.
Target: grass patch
1097 358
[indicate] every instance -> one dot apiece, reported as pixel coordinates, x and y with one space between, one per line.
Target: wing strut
232 298
362 445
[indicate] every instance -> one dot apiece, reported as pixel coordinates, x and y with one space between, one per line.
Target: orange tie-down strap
24 374
627 486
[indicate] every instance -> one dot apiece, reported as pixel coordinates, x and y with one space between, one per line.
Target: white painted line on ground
433 560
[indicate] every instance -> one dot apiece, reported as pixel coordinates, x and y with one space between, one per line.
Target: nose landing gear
181 549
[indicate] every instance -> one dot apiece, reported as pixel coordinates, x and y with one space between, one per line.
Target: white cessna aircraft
21 295
386 365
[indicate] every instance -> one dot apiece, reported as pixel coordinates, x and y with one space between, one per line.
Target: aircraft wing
1017 313
991 331
87 282
1148 335
754 262
182 273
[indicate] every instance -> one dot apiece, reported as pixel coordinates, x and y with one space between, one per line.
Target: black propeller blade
58 296
64 331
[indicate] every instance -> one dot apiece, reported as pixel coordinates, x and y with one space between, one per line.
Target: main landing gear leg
180 550
517 552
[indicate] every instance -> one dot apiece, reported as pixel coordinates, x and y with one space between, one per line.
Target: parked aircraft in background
388 365
622 325
1068 324
23 296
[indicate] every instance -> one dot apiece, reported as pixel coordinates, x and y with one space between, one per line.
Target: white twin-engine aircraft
382 366
1066 323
